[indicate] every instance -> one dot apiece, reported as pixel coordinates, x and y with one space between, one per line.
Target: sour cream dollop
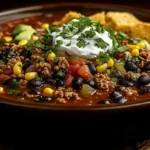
90 50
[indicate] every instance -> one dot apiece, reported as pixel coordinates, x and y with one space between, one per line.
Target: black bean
91 83
146 67
1 55
8 53
35 83
143 80
92 68
77 83
130 66
34 91
26 65
25 54
42 99
119 88
121 99
50 80
104 102
144 90
116 74
60 82
115 95
140 58
10 82
125 82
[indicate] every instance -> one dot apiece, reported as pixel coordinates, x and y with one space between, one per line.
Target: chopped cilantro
14 91
103 57
59 42
100 43
37 78
134 40
81 43
114 79
68 44
90 33
60 73
56 60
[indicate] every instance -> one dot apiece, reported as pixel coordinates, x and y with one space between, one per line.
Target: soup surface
73 60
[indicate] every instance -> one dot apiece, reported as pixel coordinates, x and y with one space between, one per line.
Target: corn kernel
17 69
1 89
30 75
101 68
8 38
51 56
23 42
110 62
35 38
135 52
141 45
48 91
133 47
45 26
14 47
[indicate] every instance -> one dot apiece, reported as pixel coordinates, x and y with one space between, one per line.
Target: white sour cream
90 50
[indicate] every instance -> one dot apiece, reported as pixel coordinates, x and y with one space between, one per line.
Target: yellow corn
45 26
14 47
22 42
102 68
1 89
135 52
17 69
48 91
51 56
133 47
110 62
8 38
141 45
30 75
35 38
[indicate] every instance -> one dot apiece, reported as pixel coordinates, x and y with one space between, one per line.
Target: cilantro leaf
100 43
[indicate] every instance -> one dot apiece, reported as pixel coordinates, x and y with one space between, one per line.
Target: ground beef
123 43
103 81
131 75
23 83
66 94
35 51
62 64
21 76
12 61
36 58
130 92
44 69
146 55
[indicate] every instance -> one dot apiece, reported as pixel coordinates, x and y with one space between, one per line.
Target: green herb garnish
100 43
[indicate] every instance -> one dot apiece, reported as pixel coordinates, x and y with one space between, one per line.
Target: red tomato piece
120 55
3 78
73 70
85 73
77 61
68 81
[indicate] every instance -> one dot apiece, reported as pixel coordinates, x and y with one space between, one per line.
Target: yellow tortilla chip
121 20
68 17
98 17
141 30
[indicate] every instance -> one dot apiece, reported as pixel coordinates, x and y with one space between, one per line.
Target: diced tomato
120 55
84 72
76 61
68 81
3 78
8 71
73 70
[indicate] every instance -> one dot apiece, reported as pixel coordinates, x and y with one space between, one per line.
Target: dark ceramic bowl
114 125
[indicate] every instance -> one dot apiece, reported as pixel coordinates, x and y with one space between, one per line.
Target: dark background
5 4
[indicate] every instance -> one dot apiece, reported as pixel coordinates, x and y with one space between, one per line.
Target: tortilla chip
121 20
98 17
68 17
141 30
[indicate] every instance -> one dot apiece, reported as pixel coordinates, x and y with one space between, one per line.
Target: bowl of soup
78 61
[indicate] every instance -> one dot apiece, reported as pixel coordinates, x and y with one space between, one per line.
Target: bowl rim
62 107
